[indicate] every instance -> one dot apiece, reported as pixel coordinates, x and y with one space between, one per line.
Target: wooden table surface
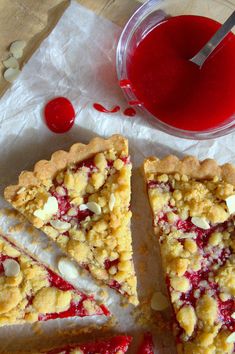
32 21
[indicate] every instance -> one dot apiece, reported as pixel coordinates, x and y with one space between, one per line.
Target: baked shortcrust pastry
193 205
81 200
114 345
31 292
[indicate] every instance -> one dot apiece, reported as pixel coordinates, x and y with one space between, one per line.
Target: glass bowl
140 24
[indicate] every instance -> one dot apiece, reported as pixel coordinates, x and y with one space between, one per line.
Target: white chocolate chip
11 74
67 268
11 62
159 301
11 267
60 225
202 223
230 201
94 207
17 48
50 208
231 338
83 207
112 201
233 315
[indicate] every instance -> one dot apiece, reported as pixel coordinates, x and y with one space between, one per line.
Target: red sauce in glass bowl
175 90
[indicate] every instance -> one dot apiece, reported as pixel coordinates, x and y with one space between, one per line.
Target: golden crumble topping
30 292
84 208
194 220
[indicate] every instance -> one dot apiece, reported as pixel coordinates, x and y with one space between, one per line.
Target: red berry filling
110 346
213 257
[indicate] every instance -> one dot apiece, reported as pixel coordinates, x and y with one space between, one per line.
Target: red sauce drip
124 83
135 103
110 346
129 112
59 115
176 90
102 109
146 347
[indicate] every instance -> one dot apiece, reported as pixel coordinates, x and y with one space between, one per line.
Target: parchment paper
77 61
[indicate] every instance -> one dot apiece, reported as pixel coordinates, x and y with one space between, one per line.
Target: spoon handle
219 35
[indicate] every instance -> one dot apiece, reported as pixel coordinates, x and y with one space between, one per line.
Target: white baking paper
77 61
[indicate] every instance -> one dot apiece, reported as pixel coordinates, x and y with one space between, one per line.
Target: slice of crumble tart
81 200
193 205
31 292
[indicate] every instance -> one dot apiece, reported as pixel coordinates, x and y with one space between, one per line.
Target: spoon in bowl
217 38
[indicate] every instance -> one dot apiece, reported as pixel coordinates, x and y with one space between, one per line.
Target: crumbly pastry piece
114 345
193 205
81 200
31 292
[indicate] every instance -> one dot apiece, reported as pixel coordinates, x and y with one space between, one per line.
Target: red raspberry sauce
59 115
102 109
129 112
175 90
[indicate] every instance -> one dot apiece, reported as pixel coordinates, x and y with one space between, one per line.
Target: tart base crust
191 167
47 169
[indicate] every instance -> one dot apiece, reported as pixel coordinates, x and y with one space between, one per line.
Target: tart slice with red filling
115 345
31 292
81 200
193 205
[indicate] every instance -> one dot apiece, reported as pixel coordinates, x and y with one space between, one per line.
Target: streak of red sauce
100 108
146 346
129 112
124 83
59 115
108 346
135 103
174 89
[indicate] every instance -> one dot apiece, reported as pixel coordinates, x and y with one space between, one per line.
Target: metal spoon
210 46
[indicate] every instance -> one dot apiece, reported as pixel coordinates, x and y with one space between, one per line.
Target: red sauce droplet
174 89
129 112
102 109
135 103
59 115
125 83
